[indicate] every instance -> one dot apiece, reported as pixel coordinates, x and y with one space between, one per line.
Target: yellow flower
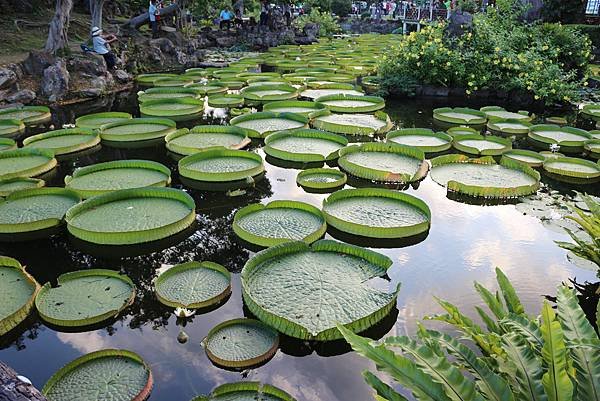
544 47
468 92
497 49
536 97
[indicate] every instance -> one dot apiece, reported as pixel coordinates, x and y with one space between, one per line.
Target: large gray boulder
24 96
37 62
7 78
90 65
164 44
55 81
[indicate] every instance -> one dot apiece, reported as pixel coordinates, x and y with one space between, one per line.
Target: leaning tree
59 26
95 7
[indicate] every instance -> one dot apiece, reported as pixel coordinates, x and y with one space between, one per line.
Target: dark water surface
465 243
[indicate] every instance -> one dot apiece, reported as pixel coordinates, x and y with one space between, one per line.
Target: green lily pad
221 165
7 144
193 285
422 138
573 170
209 88
259 125
591 111
593 148
500 113
85 297
177 109
377 213
278 222
18 290
330 90
97 120
11 185
570 140
29 115
166 93
354 124
305 108
483 177
343 103
10 127
479 145
137 129
148 79
202 137
246 391
461 130
32 210
131 216
304 291
528 157
304 145
225 100
25 163
64 141
116 375
241 343
101 178
269 93
384 162
459 115
508 127
321 179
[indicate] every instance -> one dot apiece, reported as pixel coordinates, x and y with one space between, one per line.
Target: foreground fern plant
553 357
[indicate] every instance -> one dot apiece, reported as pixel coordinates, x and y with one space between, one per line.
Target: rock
459 23
7 78
122 76
24 96
91 65
17 69
181 57
226 41
55 81
311 30
176 38
155 55
97 86
17 388
37 62
164 44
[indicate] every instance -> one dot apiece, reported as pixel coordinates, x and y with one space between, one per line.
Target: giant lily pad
193 285
422 138
225 100
354 124
484 177
508 127
11 185
480 145
137 129
528 157
278 222
179 80
97 120
109 374
7 144
384 162
25 163
177 109
166 93
10 127
18 290
29 115
331 89
377 213
241 343
305 108
221 165
304 291
321 179
209 88
85 297
343 103
259 125
592 147
148 79
461 130
591 111
131 216
101 178
33 211
459 115
500 113
268 93
304 145
573 170
64 141
570 140
246 391
202 137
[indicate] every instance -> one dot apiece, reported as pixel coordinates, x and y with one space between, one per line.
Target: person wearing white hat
102 46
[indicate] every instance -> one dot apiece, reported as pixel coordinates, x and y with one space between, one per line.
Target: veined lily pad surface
323 91
344 103
97 120
178 109
29 115
137 129
384 162
495 112
591 111
266 93
116 375
461 130
304 145
570 140
64 141
483 177
18 290
10 127
19 183
25 163
528 157
422 138
166 93
241 343
593 148
305 108
101 178
321 179
573 169
193 285
259 125
209 88
85 297
221 165
131 216
508 127
206 136
459 115
304 291
31 210
354 124
377 213
278 222
246 391
480 145
226 100
7 144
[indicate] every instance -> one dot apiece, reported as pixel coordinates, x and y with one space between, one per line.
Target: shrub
327 23
500 52
321 5
341 8
469 6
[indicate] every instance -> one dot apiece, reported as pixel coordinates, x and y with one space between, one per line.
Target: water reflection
465 243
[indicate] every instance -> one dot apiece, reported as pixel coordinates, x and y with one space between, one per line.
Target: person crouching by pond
102 46
226 16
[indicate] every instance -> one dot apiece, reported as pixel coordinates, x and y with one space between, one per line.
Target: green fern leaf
492 302
382 390
526 328
513 303
556 380
525 368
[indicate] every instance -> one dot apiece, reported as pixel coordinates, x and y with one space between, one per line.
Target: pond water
466 242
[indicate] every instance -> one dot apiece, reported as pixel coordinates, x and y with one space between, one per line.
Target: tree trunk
59 26
14 389
137 21
96 12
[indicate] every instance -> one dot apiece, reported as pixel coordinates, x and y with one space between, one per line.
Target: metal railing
593 7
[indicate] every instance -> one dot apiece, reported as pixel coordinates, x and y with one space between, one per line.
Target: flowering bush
500 53
328 25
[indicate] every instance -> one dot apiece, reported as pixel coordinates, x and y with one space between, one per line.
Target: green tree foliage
341 8
321 5
555 357
328 25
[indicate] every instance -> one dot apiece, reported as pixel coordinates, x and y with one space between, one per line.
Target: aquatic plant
588 249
